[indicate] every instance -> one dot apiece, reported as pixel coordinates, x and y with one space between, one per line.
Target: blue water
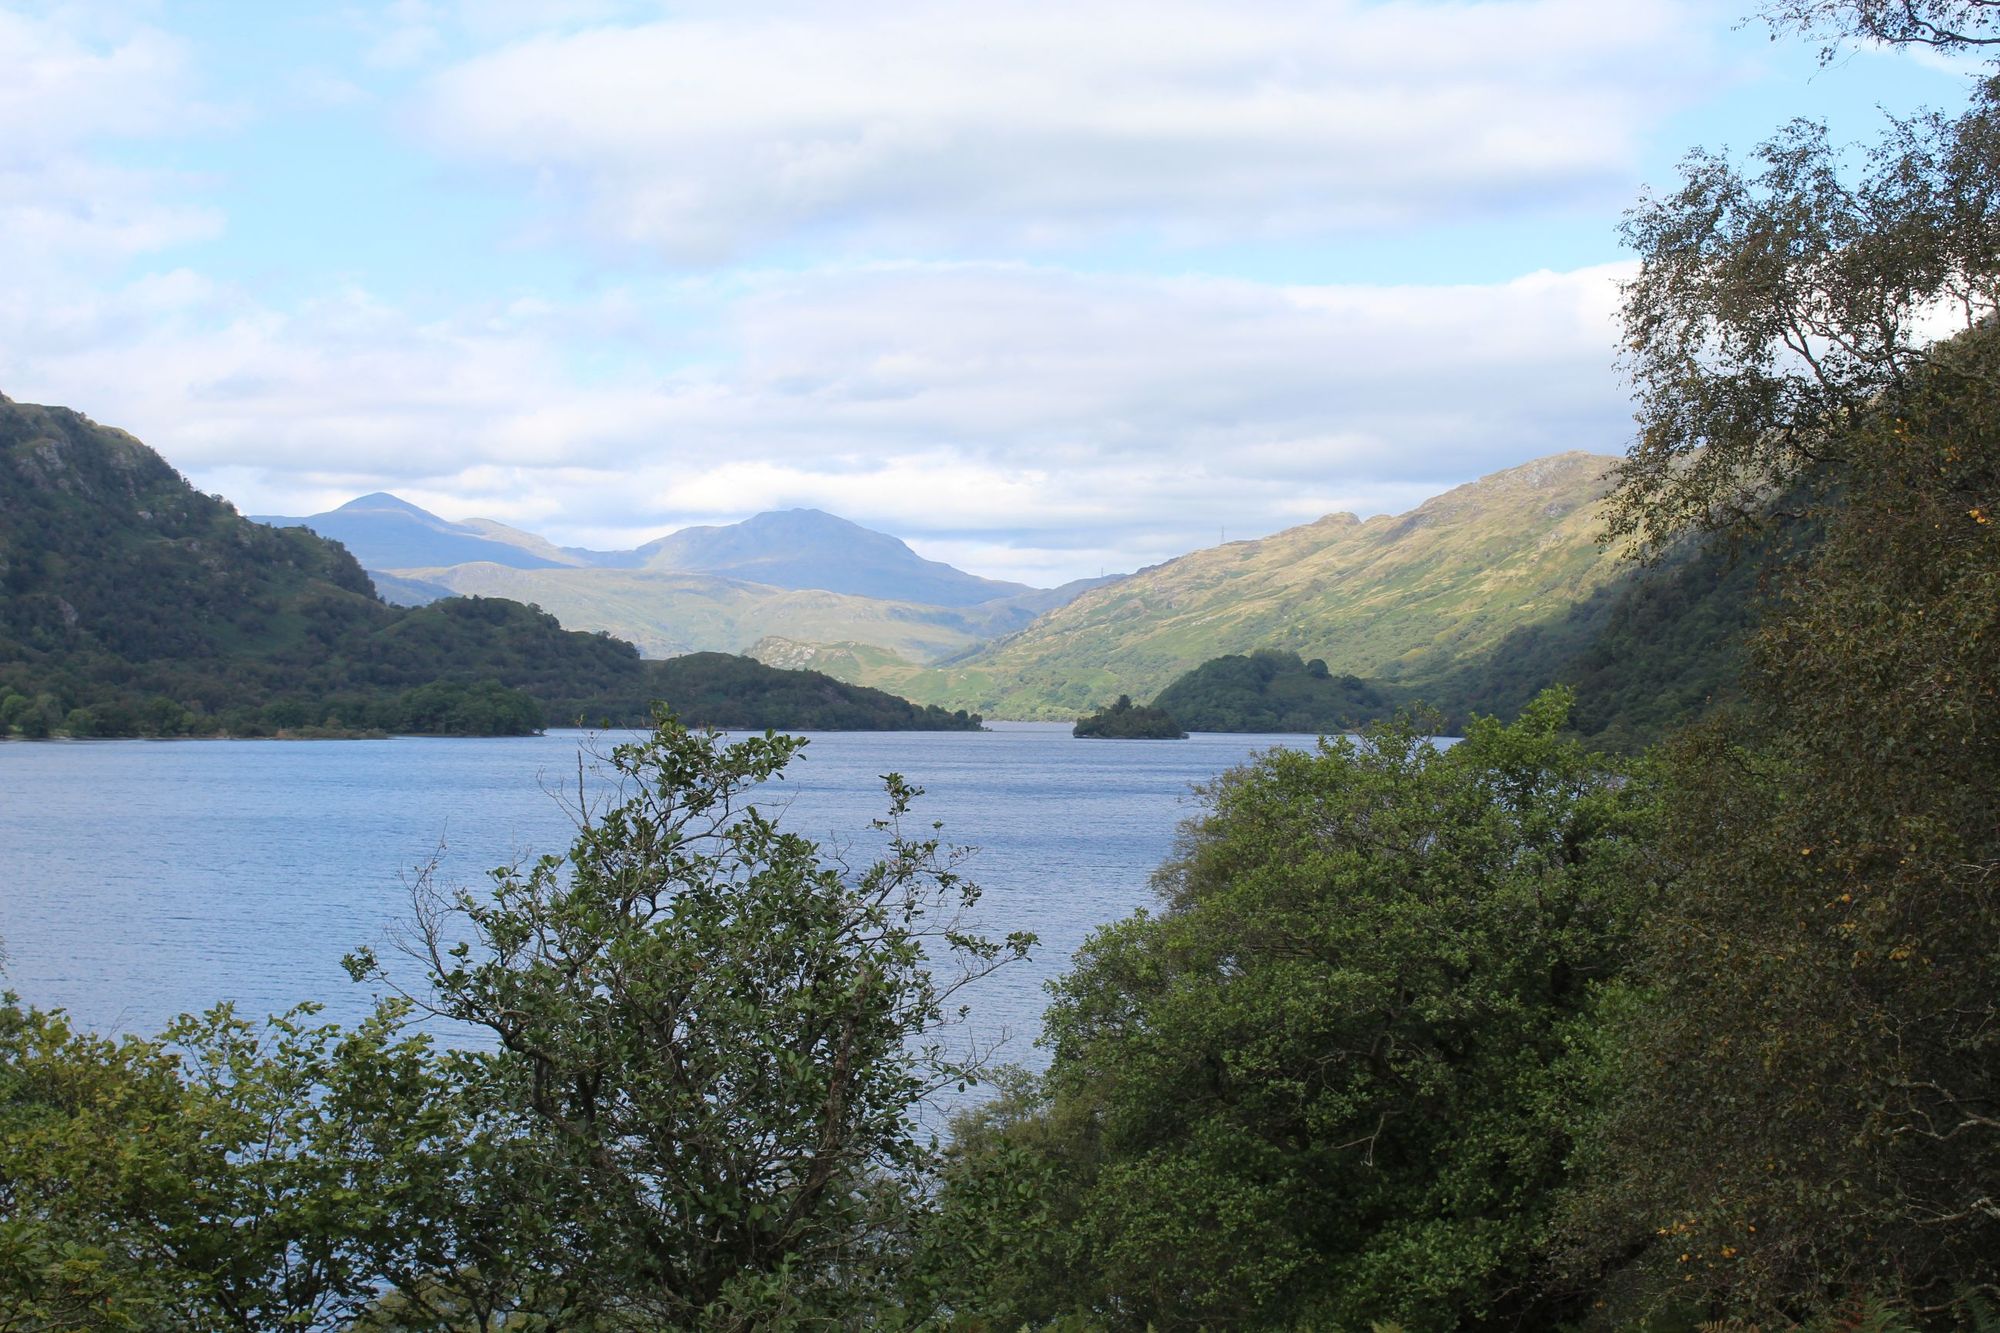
143 879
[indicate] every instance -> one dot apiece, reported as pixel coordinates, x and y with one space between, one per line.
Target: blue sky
1043 288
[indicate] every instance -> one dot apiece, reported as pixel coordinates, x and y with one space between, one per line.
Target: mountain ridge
799 549
1392 597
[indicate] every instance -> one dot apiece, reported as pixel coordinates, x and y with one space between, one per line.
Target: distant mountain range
780 578
136 600
790 548
384 532
1471 601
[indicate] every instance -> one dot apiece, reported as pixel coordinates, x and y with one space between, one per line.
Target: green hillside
1394 598
666 613
1654 648
135 605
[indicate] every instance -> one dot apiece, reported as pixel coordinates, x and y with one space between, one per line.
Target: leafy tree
1331 1082
1811 1094
1808 1091
218 1177
1774 304
716 1035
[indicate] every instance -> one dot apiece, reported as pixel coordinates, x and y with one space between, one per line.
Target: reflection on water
141 879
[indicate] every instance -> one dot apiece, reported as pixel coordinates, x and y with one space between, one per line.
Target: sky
1045 289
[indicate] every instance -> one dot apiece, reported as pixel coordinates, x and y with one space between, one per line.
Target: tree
1330 1082
1810 1100
1947 25
1807 1104
1773 305
222 1177
716 1036
1124 720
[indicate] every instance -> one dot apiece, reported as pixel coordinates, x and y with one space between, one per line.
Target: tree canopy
1326 1083
1775 302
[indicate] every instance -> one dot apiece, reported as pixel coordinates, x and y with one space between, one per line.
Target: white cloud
63 88
67 89
1053 421
927 125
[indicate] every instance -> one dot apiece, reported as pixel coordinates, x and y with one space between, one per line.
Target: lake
142 879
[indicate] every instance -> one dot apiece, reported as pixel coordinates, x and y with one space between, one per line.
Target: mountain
136 605
384 532
806 548
800 577
1396 598
798 549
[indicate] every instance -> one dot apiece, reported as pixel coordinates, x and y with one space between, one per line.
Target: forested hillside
135 605
1272 690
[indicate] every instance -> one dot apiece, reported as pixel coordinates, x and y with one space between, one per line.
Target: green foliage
1332 1081
1805 1107
1272 690
714 1036
1819 1060
449 708
1773 305
1123 720
221 1177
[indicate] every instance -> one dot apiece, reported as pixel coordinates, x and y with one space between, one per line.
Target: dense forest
136 605
1644 654
1514 1034
1272 690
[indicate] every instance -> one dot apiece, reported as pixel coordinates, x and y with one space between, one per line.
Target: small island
1127 721
1271 690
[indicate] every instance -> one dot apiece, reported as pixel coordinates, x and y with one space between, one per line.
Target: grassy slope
1393 598
666 613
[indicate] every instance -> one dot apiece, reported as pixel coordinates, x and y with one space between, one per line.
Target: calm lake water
142 879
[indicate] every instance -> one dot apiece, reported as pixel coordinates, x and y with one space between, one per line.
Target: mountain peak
810 548
377 501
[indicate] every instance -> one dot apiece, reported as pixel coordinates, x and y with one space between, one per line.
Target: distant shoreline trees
1123 720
